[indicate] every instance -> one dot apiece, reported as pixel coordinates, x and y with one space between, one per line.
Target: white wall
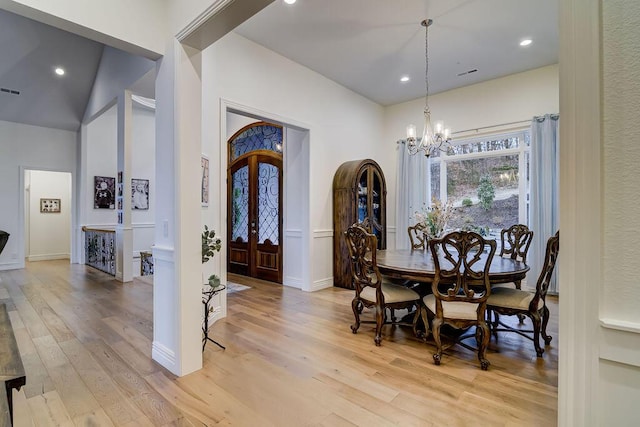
619 340
508 99
101 160
27 147
343 125
49 233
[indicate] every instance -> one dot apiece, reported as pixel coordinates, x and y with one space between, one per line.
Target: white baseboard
321 284
48 257
11 266
164 356
292 282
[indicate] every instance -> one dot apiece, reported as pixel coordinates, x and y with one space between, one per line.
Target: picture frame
139 194
104 192
50 205
204 190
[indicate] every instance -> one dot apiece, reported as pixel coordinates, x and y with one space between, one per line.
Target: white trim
48 257
296 234
11 266
620 325
163 253
321 284
620 345
144 225
322 234
292 282
100 226
164 355
213 9
148 103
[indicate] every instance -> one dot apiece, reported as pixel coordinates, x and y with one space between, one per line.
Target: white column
124 232
580 268
177 294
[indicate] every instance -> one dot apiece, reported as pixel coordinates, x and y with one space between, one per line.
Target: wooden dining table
417 265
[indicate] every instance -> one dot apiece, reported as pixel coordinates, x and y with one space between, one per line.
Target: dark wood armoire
359 192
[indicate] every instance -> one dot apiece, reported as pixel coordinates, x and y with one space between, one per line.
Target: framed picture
204 191
105 192
139 194
50 205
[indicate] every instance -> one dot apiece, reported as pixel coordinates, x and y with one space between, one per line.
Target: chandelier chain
426 66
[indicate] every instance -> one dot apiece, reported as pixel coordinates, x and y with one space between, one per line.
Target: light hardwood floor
291 360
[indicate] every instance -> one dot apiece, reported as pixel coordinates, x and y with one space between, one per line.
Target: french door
254 188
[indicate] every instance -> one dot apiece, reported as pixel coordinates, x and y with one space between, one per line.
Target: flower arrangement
434 219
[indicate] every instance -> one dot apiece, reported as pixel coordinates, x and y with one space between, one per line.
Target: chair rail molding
322 233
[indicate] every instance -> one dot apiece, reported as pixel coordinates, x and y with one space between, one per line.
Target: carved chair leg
494 324
425 320
356 306
535 317
482 336
545 320
393 315
379 322
521 317
437 356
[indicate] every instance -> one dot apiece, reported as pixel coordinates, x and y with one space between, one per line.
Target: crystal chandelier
432 139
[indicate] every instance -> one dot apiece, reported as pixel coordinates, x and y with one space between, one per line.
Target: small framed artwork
204 191
50 205
105 189
139 194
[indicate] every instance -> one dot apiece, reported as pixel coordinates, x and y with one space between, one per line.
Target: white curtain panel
544 189
412 191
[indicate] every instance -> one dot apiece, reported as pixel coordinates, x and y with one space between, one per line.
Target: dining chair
460 287
417 237
515 242
371 290
508 301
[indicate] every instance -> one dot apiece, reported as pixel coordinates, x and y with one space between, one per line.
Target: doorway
47 212
254 205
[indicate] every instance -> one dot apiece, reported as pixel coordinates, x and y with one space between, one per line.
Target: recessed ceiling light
404 79
525 42
59 71
289 1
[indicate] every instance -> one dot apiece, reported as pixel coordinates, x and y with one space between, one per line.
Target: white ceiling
30 51
367 45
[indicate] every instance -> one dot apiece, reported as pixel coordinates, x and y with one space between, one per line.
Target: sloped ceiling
29 53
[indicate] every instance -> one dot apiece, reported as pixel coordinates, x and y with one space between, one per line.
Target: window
487 181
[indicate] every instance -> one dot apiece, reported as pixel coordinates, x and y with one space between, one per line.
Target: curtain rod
492 126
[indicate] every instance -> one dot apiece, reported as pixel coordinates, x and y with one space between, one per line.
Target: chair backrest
515 241
417 236
462 260
550 257
362 254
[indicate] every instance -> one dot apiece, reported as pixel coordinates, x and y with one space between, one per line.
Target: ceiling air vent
467 72
9 91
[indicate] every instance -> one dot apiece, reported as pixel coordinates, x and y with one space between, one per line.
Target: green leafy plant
210 244
467 202
486 192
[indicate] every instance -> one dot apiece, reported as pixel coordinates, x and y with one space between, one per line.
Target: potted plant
210 245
